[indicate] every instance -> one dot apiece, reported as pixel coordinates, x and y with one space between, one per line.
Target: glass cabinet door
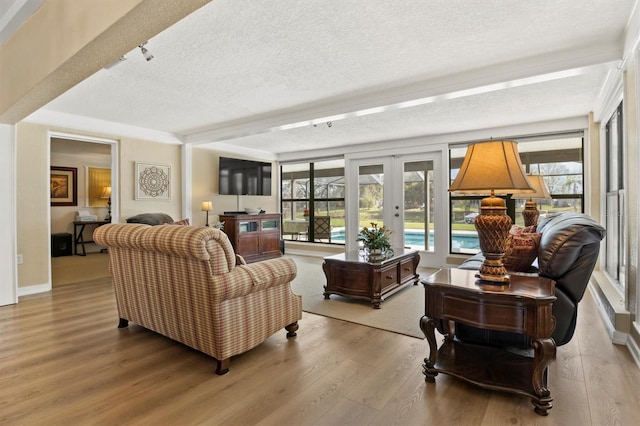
249 226
270 224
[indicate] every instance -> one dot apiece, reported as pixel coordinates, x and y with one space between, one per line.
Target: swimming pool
460 240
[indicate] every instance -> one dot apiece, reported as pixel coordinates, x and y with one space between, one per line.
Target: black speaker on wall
61 244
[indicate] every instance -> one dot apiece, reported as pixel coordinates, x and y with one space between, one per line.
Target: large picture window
559 159
616 243
313 201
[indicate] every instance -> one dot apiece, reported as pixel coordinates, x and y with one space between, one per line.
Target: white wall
8 269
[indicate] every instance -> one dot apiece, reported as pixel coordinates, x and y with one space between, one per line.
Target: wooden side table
524 306
351 274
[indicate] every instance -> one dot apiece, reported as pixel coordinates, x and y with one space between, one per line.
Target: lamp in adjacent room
207 206
488 168
106 194
530 213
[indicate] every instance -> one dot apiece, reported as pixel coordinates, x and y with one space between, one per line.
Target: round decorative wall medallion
154 181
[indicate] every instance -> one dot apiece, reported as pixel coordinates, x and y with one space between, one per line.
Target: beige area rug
400 313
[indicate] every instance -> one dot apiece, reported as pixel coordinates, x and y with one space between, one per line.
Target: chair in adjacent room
322 228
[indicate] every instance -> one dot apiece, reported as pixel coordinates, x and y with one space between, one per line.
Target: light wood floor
64 362
74 269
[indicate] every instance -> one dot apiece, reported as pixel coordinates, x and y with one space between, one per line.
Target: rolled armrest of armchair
252 277
271 272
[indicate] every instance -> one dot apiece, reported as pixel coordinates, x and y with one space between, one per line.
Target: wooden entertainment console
255 237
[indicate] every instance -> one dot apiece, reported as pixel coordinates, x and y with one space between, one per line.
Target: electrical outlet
19 259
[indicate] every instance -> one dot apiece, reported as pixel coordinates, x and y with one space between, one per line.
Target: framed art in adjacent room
153 181
63 185
97 180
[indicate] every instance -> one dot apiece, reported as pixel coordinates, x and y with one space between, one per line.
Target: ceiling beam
50 53
498 77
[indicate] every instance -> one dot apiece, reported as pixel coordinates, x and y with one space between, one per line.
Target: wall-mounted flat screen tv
244 177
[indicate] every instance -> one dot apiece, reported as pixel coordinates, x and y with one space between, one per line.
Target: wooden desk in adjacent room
522 306
78 234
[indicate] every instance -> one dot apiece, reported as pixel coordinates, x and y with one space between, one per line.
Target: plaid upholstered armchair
186 283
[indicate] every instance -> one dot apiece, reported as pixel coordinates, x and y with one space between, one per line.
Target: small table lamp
489 168
207 206
530 212
106 193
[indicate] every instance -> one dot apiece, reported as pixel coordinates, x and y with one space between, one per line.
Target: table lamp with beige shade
207 206
106 194
531 212
492 167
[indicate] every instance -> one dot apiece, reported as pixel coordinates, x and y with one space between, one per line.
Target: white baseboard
33 289
616 336
611 307
633 345
312 249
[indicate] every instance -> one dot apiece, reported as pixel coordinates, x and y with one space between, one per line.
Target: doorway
404 194
87 160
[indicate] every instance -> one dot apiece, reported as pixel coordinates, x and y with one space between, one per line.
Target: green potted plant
376 240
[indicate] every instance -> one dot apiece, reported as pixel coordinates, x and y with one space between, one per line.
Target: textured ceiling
237 72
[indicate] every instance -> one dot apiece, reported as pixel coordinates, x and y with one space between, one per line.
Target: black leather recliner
568 252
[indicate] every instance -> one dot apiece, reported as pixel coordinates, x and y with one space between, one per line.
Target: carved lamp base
530 213
493 225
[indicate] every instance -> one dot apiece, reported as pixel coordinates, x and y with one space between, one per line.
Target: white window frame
613 101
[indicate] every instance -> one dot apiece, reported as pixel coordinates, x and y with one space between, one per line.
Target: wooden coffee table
524 306
352 274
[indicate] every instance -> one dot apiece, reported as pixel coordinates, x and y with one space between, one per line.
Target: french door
404 194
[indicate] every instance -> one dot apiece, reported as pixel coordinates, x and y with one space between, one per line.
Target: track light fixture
329 124
147 55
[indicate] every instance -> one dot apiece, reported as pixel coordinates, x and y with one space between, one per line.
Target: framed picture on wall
97 181
63 185
153 181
